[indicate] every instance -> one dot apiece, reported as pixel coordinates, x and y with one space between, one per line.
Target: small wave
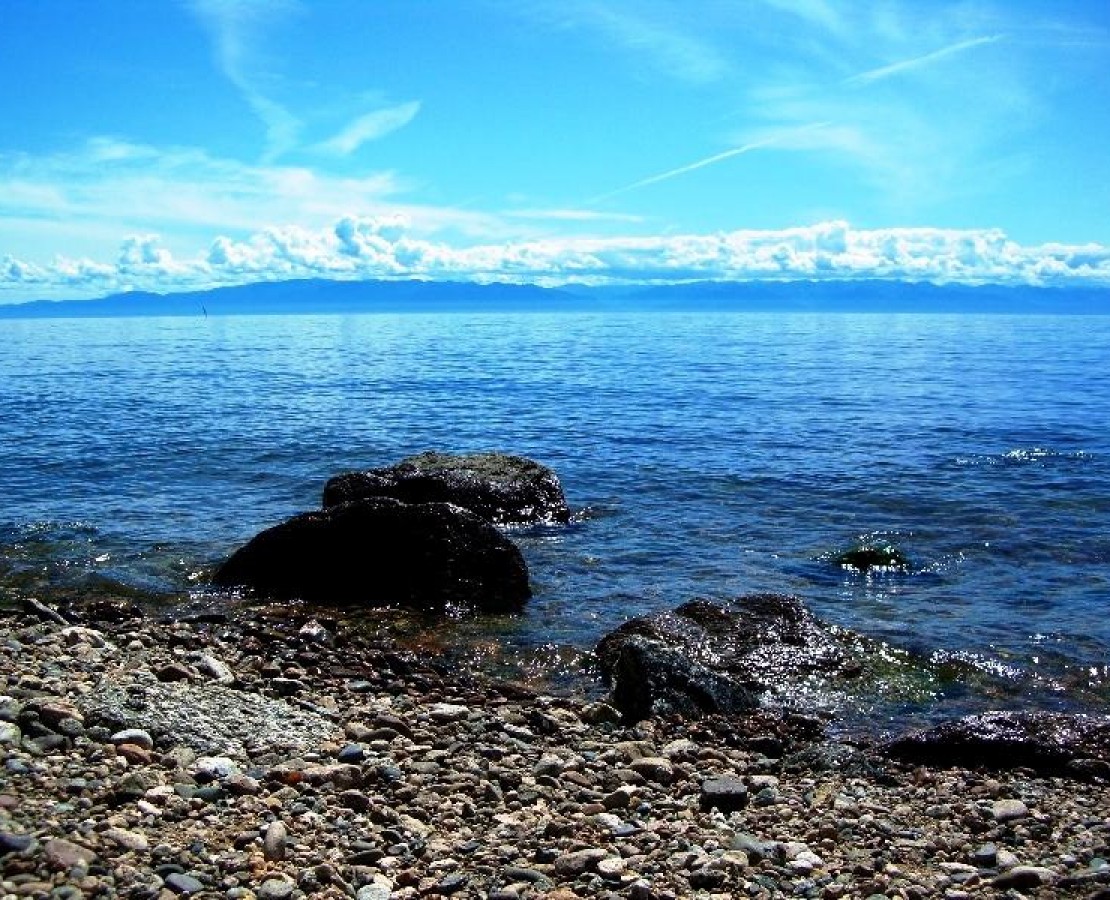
1023 456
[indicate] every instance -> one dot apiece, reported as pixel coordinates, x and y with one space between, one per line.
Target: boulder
1047 742
707 658
502 489
429 556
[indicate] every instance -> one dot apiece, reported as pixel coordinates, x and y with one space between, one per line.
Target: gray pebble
1008 810
275 889
136 736
1023 877
183 884
275 842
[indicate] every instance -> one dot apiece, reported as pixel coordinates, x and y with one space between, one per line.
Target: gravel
390 776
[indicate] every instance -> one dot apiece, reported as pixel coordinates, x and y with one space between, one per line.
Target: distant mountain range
324 296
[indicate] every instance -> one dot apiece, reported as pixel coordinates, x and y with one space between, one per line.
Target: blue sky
169 145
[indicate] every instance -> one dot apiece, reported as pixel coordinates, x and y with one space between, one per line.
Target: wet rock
1043 741
873 558
381 552
708 658
501 489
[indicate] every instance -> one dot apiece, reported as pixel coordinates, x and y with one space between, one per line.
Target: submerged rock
431 556
502 489
1049 743
873 557
708 658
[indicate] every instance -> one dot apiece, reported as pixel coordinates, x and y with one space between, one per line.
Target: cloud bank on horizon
368 248
223 141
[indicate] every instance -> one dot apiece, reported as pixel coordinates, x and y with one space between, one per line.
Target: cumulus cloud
360 247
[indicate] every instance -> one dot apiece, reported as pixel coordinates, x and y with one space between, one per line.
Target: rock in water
706 658
381 552
1049 743
502 489
873 558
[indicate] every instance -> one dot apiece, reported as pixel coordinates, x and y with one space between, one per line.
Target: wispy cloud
917 62
708 161
186 191
570 215
653 32
235 27
370 127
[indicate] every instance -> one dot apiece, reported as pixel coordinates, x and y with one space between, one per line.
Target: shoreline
279 759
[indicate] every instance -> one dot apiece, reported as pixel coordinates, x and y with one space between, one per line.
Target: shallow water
707 454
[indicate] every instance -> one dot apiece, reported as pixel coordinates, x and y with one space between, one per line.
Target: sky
176 144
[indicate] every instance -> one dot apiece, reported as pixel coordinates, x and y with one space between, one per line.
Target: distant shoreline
321 297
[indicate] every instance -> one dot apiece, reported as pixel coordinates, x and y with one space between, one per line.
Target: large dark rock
502 489
1050 743
708 658
381 553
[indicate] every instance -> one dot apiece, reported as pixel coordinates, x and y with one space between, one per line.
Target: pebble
15 843
424 782
1022 878
574 864
654 768
986 857
214 768
275 889
64 855
275 842
183 884
726 794
134 736
1008 810
128 840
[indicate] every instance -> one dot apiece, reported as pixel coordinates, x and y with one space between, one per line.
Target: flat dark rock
707 658
374 553
497 487
1050 743
726 794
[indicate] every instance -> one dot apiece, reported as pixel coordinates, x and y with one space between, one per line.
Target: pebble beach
285 757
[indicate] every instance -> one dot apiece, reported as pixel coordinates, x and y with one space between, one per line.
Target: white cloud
656 32
359 247
235 26
370 127
185 193
907 65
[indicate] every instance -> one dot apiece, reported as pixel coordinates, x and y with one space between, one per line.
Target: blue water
708 454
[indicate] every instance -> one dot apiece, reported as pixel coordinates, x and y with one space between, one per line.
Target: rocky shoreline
246 756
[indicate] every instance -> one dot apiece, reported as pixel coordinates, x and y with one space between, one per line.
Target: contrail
708 161
906 64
